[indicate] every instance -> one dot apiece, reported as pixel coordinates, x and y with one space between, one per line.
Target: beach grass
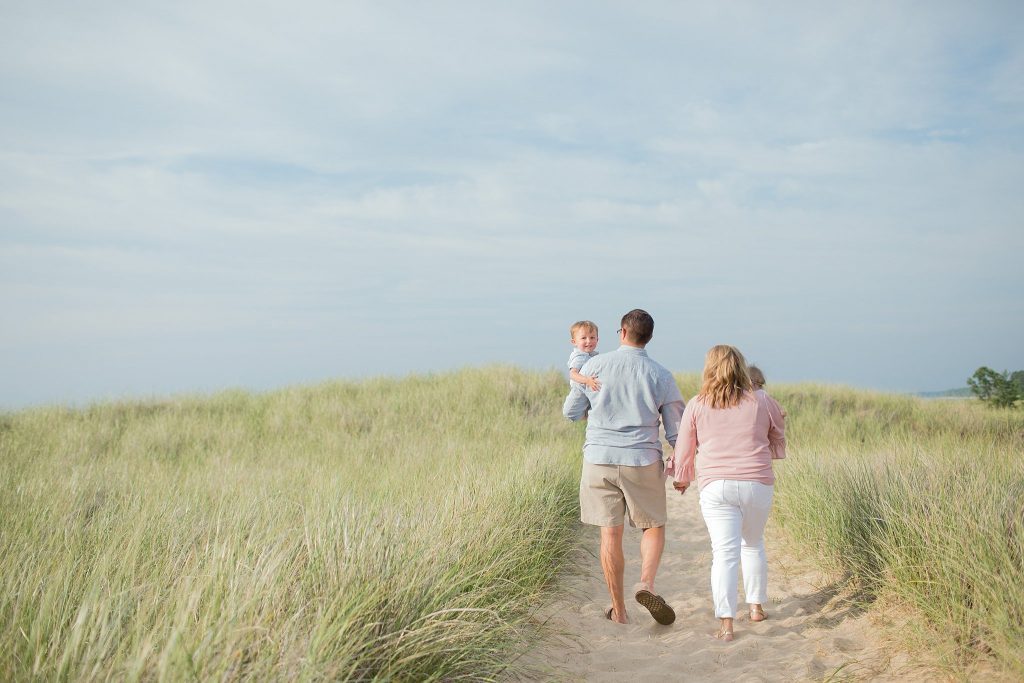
395 530
407 529
921 504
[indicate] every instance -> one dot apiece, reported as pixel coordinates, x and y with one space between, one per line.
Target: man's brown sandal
656 605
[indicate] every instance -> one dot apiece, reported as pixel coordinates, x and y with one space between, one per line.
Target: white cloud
261 171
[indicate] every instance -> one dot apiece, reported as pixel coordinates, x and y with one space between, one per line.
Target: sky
203 196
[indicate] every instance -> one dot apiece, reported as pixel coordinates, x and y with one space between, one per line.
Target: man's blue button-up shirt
636 394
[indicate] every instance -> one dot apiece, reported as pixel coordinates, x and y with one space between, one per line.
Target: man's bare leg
614 565
652 544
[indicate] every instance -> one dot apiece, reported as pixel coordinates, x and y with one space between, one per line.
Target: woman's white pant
735 513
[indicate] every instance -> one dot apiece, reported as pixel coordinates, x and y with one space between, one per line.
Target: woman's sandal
757 614
725 636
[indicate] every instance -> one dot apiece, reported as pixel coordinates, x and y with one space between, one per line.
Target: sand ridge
812 633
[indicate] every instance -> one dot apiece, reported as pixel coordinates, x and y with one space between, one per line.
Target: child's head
756 376
583 335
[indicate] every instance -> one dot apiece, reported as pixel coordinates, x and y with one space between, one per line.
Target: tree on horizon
999 390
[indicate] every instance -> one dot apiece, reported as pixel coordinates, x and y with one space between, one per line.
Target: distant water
948 393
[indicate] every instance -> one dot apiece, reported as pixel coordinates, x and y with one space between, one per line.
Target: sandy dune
812 634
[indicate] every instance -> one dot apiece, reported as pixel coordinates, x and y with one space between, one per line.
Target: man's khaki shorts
609 492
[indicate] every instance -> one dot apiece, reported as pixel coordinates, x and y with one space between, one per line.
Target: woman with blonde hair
736 433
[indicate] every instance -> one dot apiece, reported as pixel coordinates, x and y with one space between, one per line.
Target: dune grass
382 530
920 503
404 529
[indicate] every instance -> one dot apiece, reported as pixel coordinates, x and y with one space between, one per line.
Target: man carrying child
623 473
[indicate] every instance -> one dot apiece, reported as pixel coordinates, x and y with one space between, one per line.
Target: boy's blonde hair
725 377
582 325
756 376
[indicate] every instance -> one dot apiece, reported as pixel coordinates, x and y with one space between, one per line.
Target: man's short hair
638 326
585 325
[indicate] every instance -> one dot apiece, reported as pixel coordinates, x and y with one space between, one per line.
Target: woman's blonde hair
725 377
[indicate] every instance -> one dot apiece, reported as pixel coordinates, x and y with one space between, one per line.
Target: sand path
812 634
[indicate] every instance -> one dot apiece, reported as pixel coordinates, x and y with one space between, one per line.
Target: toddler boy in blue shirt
583 336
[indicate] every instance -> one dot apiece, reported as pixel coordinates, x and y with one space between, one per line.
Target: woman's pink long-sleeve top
734 443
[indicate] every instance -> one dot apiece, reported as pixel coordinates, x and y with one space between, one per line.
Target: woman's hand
681 486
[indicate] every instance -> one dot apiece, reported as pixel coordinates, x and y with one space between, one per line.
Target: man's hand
681 486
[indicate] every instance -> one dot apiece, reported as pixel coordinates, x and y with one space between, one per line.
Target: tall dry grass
404 529
921 503
382 530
